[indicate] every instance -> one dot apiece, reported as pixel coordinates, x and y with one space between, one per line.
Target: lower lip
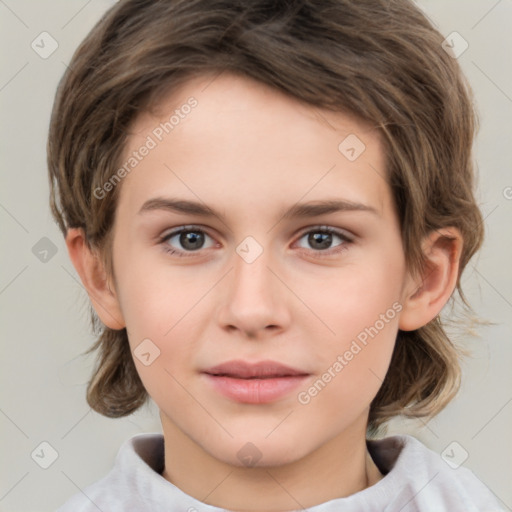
255 391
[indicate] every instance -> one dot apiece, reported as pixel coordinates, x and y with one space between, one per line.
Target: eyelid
169 233
343 233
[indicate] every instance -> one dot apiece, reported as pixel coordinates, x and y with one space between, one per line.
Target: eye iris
325 240
191 239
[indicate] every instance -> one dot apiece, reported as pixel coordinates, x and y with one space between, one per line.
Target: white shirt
416 479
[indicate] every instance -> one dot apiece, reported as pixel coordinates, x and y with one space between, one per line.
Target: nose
255 301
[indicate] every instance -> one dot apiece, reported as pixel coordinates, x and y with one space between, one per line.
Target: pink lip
257 383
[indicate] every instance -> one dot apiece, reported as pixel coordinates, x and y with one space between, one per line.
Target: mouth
261 370
254 383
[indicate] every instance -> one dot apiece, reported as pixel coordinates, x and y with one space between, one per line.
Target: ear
94 278
425 296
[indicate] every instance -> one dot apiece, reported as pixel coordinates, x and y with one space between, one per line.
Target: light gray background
44 309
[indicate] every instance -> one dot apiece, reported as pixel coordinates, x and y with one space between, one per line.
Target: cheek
165 305
355 368
157 299
367 356
353 300
362 310
164 317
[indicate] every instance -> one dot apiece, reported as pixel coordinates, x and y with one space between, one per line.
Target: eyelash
315 229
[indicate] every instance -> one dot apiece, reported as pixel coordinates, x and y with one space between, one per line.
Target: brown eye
191 240
186 239
324 238
320 240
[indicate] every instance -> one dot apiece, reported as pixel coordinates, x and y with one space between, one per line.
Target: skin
250 153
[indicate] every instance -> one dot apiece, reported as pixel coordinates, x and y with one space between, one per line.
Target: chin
258 453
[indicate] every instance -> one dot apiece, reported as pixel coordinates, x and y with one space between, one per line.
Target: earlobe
425 297
94 278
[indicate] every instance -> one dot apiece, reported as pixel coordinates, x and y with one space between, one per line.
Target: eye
320 239
190 239
187 239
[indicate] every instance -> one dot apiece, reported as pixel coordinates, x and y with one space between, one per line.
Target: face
291 253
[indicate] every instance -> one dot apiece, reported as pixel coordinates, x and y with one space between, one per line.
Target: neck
337 469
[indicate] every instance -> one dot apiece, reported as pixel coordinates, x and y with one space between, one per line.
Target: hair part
380 60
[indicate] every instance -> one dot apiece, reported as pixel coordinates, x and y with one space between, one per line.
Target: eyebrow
299 210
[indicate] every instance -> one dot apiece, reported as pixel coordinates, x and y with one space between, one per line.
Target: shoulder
130 483
424 481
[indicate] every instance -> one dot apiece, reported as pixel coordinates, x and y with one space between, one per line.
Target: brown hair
381 60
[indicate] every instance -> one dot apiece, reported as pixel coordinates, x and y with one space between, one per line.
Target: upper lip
262 369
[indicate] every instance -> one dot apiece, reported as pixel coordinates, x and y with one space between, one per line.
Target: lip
261 369
254 383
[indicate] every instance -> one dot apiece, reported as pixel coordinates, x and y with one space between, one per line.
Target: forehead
242 141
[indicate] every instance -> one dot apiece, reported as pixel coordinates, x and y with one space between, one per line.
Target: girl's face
251 227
